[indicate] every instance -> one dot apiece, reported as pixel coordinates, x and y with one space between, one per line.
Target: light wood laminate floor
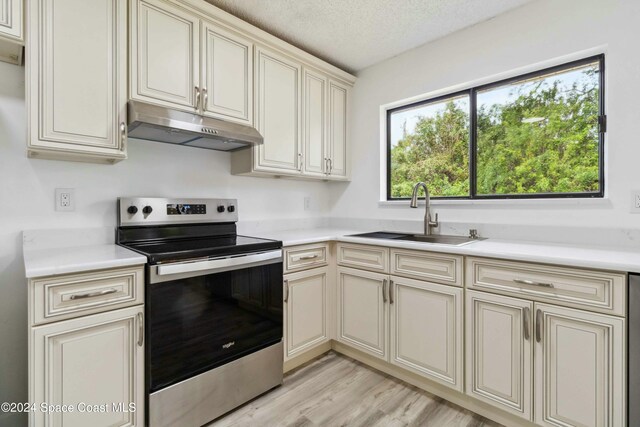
335 390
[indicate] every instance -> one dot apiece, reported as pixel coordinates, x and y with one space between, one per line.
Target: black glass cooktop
175 243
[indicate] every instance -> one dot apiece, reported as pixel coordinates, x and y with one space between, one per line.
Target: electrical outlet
65 199
307 203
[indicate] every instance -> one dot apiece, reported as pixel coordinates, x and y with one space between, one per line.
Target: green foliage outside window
537 136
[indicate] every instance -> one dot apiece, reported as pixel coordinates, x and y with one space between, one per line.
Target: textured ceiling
354 34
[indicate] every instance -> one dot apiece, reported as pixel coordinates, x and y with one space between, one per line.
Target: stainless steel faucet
427 214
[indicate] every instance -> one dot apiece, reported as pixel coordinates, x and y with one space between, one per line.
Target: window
534 136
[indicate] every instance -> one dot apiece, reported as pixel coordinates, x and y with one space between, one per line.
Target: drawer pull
532 283
93 294
308 257
525 323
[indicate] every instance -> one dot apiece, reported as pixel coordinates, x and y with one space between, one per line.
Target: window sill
597 202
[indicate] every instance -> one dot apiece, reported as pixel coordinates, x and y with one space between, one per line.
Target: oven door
201 315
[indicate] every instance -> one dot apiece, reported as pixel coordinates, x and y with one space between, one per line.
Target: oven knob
147 210
220 208
132 210
231 208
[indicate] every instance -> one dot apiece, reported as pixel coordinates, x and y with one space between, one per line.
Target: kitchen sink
439 239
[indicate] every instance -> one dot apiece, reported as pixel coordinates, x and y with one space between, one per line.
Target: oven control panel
136 211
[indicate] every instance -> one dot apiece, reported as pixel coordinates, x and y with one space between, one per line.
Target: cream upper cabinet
580 375
277 101
338 150
499 358
227 74
92 360
426 329
165 54
363 311
11 18
306 310
77 110
11 31
314 123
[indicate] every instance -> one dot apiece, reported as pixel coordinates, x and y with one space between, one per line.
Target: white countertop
606 258
76 259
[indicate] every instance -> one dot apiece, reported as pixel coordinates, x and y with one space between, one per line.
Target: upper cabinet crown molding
77 112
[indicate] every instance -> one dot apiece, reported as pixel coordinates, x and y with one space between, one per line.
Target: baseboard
452 396
307 356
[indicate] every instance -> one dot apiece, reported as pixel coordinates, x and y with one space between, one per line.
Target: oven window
200 323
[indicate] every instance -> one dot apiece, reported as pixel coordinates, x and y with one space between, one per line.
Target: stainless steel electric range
213 307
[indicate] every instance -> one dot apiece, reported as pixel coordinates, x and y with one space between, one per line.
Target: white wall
27 195
538 32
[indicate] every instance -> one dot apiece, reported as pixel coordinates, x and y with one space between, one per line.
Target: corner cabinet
302 114
77 112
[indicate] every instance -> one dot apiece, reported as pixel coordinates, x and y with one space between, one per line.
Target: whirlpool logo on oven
228 345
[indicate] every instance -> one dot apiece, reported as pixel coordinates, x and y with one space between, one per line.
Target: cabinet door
77 84
11 19
92 360
278 112
499 351
338 153
306 314
227 75
426 329
579 368
164 54
314 128
363 311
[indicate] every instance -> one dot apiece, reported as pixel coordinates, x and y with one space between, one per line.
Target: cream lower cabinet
363 312
77 85
573 359
426 329
306 310
94 364
579 365
499 356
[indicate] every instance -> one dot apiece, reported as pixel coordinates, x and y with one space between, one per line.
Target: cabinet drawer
600 291
372 258
433 267
62 297
305 257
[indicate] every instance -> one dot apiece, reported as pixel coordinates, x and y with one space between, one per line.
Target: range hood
161 124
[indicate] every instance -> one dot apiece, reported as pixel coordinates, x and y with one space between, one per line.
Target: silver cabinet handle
286 291
197 97
123 136
330 166
326 166
205 98
384 291
300 162
390 291
539 325
525 322
140 329
532 283
307 257
93 294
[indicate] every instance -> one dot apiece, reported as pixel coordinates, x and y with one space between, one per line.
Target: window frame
473 134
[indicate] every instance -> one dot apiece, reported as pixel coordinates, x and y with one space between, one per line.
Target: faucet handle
434 223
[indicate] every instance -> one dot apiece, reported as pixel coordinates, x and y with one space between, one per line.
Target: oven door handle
221 264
